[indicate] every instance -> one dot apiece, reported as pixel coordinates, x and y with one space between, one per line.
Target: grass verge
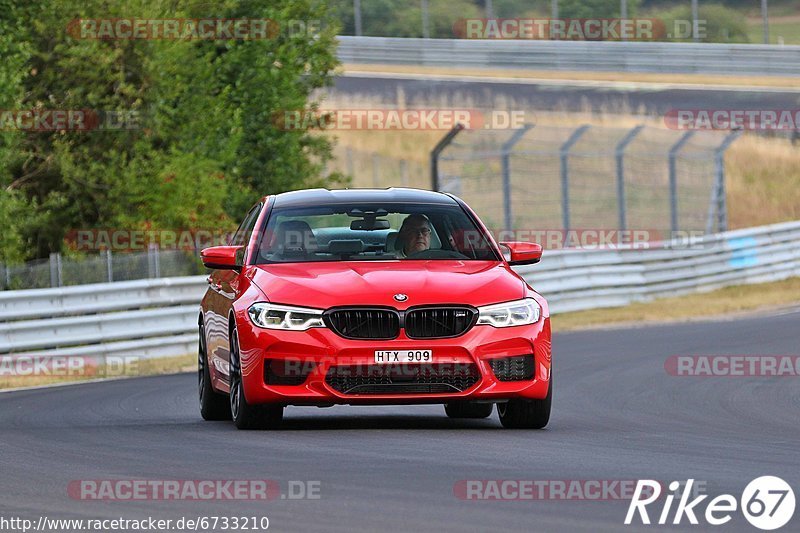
782 30
722 302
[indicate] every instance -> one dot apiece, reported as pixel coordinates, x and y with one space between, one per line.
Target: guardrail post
437 150
153 266
719 202
673 179
55 270
620 156
109 266
4 267
564 154
506 163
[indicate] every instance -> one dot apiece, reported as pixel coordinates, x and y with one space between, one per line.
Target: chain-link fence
589 177
370 169
59 271
562 178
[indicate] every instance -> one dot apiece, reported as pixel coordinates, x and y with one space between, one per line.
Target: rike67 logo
767 503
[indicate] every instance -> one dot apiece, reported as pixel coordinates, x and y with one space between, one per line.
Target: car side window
242 235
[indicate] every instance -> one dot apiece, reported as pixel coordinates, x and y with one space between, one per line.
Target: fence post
109 266
375 169
404 173
349 161
506 164
55 270
673 179
440 146
620 156
719 202
564 155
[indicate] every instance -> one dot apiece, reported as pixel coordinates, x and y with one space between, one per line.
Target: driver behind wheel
414 235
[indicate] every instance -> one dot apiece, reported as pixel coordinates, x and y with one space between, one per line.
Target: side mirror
522 253
223 257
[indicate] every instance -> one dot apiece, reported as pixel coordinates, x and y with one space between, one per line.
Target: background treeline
206 147
727 20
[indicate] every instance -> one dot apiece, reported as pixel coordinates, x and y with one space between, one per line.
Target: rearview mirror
223 257
522 253
369 224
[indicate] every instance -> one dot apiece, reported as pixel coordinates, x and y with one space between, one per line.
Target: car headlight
271 316
517 313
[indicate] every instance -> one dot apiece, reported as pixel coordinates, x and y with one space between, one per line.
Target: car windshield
362 232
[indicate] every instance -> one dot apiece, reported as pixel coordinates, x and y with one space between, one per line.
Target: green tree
403 18
205 147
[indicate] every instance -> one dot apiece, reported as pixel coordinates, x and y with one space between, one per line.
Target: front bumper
317 350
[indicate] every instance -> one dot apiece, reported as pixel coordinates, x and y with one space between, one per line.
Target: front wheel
246 415
213 406
526 414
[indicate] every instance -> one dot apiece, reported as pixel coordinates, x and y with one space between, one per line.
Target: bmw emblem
401 297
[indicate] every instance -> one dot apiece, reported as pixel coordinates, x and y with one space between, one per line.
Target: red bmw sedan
364 296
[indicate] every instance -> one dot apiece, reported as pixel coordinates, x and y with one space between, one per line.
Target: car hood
327 284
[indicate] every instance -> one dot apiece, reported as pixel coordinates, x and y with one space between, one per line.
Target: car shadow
382 422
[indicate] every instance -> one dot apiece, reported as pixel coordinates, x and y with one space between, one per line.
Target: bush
594 9
722 24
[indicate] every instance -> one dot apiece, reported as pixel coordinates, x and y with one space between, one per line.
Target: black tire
245 415
213 406
468 409
526 414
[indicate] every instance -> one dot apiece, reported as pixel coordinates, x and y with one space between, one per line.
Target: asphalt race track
617 415
563 95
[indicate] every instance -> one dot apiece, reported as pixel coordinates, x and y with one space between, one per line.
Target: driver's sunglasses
422 232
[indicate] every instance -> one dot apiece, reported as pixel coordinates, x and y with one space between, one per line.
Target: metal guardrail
574 280
613 56
158 317
60 271
146 318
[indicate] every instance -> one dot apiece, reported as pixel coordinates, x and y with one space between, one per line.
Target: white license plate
387 357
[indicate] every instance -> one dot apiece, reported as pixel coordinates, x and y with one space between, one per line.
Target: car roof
312 197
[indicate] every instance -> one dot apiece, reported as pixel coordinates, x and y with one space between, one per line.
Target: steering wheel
436 254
